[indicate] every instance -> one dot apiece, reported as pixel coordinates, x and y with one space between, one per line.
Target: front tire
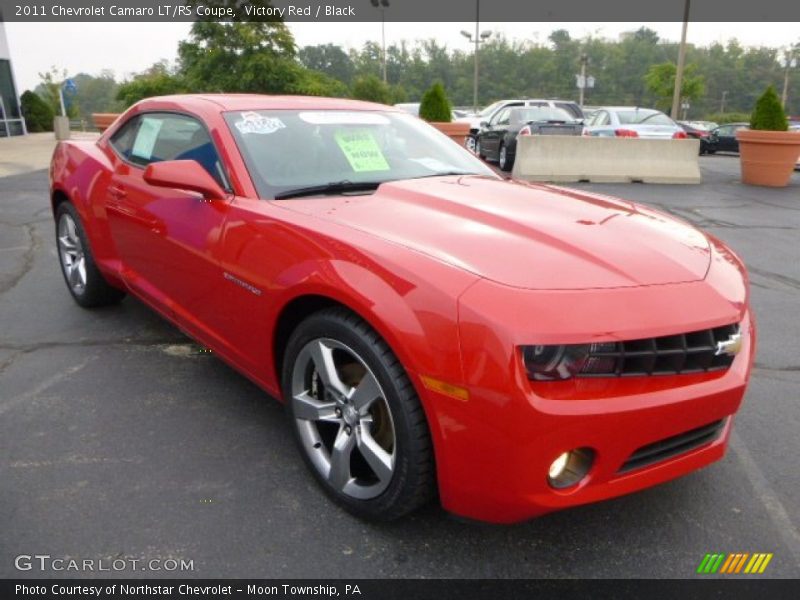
478 150
84 281
356 417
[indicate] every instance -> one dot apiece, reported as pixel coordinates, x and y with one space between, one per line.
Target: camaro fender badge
731 346
240 283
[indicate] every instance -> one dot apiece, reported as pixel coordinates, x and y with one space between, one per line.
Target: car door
727 141
168 239
495 131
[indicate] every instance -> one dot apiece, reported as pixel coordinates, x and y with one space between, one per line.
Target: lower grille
695 352
672 446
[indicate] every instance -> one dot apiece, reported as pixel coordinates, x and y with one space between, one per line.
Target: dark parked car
723 138
696 130
497 139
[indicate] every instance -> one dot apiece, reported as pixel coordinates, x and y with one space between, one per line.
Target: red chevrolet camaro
432 328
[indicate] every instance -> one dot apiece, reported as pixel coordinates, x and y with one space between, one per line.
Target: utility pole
584 60
722 103
789 62
676 94
479 38
382 5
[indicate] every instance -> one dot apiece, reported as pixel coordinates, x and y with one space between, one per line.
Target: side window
166 136
503 117
725 130
122 140
602 118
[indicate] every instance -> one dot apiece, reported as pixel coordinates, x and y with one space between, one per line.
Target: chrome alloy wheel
73 258
503 158
343 418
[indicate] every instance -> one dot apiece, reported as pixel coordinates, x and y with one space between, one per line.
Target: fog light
558 466
569 468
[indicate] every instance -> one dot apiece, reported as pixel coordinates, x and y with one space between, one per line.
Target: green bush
38 113
435 106
728 117
372 89
768 114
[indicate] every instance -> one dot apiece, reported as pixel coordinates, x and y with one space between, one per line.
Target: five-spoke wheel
356 416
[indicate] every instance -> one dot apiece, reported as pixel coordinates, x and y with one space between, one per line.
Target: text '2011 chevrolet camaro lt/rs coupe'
433 329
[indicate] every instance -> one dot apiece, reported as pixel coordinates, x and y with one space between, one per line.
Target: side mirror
184 175
484 124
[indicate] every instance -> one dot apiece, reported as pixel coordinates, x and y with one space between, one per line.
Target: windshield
650 117
286 150
540 113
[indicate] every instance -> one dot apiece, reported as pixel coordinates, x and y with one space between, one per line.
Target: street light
722 103
382 5
789 62
480 37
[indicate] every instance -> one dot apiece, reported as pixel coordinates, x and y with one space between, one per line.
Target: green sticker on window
146 138
361 150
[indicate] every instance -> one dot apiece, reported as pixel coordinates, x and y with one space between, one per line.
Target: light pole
676 94
480 37
382 5
789 62
722 103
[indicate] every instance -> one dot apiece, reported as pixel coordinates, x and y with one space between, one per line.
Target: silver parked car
632 121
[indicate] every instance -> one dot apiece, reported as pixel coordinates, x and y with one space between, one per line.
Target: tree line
636 69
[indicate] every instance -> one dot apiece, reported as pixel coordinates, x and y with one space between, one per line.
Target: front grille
672 446
694 352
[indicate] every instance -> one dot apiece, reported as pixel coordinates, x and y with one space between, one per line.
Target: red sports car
432 328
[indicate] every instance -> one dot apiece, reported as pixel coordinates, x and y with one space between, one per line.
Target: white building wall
5 53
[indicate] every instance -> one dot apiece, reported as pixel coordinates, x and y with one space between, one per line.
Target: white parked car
632 121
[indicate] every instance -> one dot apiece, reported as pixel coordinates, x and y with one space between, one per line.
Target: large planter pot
768 157
458 132
103 121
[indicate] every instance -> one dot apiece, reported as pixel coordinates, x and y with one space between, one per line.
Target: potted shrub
768 151
435 108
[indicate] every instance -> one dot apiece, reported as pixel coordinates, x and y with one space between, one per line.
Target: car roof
228 102
616 108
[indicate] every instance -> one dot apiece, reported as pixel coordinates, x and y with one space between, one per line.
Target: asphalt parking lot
120 439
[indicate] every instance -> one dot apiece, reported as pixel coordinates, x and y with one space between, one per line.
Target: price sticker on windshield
361 150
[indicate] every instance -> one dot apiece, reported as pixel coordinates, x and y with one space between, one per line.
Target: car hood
524 235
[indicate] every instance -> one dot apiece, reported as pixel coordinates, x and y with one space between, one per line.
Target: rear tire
504 161
356 417
84 281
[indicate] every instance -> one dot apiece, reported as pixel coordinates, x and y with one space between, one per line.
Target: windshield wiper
445 174
334 187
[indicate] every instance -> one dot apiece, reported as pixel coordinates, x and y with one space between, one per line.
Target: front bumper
493 450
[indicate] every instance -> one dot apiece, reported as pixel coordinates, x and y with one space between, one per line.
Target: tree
660 81
768 114
435 106
329 59
240 57
50 90
159 80
38 114
372 89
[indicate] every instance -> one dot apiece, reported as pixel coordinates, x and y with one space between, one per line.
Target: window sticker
361 150
146 138
252 122
341 117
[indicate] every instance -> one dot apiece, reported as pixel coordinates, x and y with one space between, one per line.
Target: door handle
117 192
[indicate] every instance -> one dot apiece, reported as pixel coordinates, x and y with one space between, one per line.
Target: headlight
548 363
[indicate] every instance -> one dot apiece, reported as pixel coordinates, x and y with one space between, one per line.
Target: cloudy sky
130 47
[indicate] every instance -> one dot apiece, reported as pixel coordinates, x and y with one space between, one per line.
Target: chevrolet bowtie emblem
731 346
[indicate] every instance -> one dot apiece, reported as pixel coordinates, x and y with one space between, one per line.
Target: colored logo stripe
734 563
